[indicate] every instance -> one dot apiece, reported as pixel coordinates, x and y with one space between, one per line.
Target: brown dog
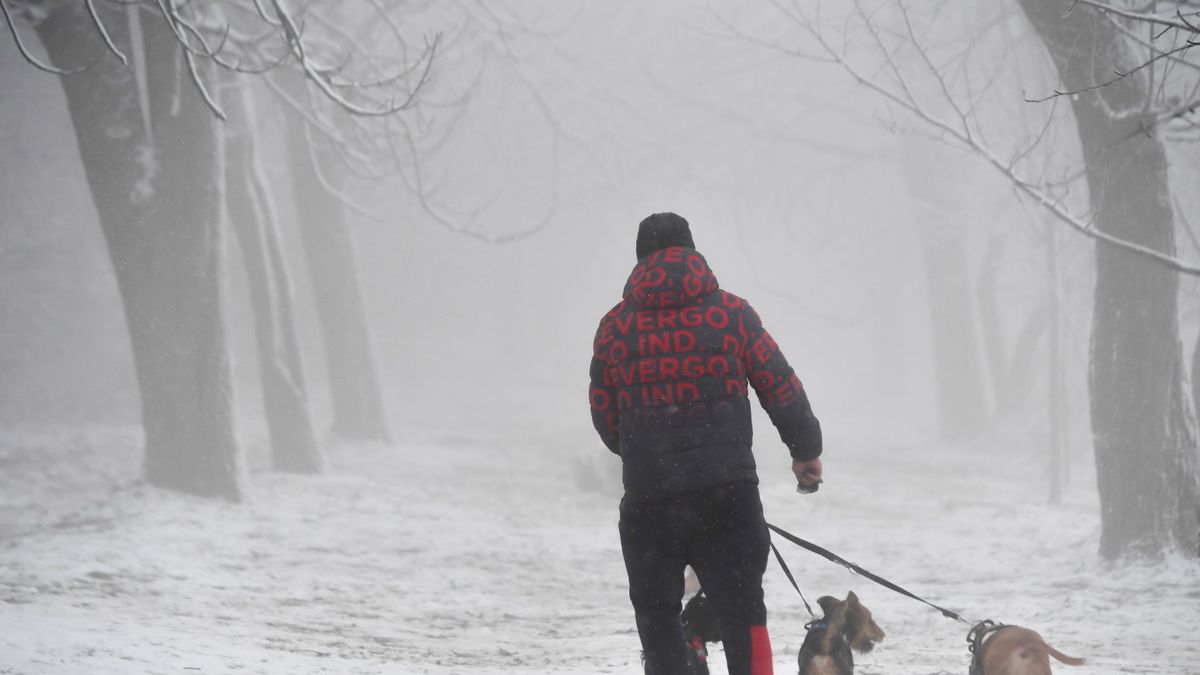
847 625
1012 650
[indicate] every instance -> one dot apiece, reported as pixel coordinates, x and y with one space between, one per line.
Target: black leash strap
788 573
833 557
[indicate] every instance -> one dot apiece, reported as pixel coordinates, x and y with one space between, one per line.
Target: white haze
796 194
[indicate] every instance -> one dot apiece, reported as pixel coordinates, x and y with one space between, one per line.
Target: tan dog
847 625
1012 650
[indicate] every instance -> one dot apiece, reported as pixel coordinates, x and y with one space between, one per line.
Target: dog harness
975 639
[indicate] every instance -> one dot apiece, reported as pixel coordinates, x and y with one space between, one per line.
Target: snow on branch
357 73
263 36
950 118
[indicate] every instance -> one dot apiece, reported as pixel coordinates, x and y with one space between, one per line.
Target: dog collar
815 626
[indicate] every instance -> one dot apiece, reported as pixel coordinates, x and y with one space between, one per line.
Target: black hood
671 277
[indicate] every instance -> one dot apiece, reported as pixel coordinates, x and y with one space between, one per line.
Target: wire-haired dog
1013 650
847 625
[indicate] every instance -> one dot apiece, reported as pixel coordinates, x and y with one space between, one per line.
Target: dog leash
833 557
788 573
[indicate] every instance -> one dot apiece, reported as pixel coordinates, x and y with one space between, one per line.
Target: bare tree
1162 37
357 403
253 218
956 356
1143 427
163 234
139 79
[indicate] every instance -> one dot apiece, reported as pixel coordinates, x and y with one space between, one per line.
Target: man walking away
671 368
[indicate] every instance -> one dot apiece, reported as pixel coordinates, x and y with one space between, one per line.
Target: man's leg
651 543
730 556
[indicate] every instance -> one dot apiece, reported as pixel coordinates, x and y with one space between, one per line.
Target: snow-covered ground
487 556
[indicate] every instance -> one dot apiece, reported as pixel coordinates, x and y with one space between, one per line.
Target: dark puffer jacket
670 365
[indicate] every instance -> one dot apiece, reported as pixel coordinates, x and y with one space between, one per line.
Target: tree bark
1143 427
154 181
357 403
1196 377
252 216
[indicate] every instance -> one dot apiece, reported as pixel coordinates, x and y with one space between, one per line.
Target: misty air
529 337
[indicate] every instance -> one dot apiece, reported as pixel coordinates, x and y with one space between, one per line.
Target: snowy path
473 557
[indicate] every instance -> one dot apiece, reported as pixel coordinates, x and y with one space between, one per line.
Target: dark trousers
721 533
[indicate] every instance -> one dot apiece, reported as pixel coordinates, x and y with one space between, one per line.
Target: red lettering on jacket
624 400
731 345
617 352
600 399
781 395
764 348
716 317
624 323
650 344
668 368
647 371
685 341
624 373
666 394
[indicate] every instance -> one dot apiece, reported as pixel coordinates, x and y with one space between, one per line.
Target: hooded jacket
670 367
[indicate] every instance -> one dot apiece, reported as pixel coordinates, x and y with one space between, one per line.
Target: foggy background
940 321
795 191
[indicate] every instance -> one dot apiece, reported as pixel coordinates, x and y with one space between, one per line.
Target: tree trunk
329 249
1056 385
154 181
959 374
1144 431
1196 377
991 334
252 215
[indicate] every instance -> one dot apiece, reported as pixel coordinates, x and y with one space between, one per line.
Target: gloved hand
808 474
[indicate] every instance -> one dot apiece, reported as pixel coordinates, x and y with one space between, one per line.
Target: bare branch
196 80
1053 205
1155 19
316 76
100 27
1118 76
12 27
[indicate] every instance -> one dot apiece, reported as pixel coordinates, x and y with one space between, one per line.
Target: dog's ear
828 604
852 599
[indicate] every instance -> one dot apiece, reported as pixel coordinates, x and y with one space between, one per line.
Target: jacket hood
671 277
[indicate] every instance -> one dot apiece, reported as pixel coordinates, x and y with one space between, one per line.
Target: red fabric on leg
760 651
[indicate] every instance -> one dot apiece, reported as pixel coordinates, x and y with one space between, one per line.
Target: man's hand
808 473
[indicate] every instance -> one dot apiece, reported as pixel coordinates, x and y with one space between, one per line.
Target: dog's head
699 620
853 620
